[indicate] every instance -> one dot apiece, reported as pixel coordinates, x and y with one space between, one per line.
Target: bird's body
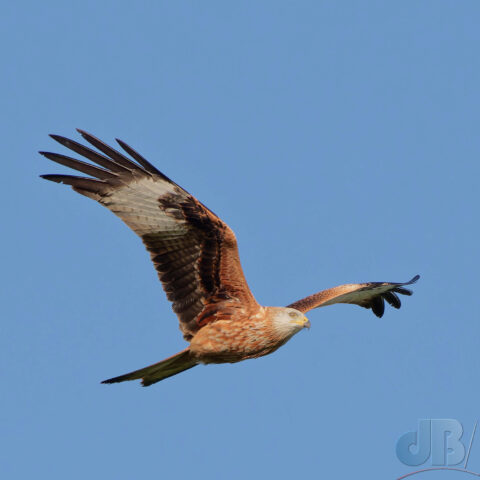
196 257
247 336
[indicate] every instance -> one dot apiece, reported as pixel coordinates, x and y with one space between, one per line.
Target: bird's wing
194 252
367 295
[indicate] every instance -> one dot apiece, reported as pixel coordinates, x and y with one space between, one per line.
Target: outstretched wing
194 252
367 295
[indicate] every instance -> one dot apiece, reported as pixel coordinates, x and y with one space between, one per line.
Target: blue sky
340 142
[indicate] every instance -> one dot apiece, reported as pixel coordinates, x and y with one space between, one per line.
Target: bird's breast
230 341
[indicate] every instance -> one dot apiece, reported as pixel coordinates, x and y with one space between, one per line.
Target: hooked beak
304 322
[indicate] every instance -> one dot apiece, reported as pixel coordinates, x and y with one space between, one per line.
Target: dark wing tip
413 280
378 306
61 140
141 160
109 381
55 136
82 132
92 139
392 299
52 177
403 291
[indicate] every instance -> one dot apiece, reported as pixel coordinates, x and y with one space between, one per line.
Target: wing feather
90 154
194 252
367 295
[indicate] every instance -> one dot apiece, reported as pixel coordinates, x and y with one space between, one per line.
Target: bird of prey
195 254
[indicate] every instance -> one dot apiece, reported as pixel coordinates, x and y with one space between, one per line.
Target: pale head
288 321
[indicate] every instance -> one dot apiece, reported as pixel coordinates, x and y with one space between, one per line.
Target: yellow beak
304 322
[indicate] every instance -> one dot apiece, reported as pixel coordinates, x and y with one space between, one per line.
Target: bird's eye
293 314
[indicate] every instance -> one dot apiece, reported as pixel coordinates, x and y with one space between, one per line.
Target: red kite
195 254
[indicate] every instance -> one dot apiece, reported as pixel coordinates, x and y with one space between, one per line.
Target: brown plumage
367 295
196 257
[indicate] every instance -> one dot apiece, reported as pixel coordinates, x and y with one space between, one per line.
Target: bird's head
288 321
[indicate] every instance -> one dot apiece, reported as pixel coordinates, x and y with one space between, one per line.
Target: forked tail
154 373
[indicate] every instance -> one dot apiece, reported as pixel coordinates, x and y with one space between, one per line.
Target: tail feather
154 373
